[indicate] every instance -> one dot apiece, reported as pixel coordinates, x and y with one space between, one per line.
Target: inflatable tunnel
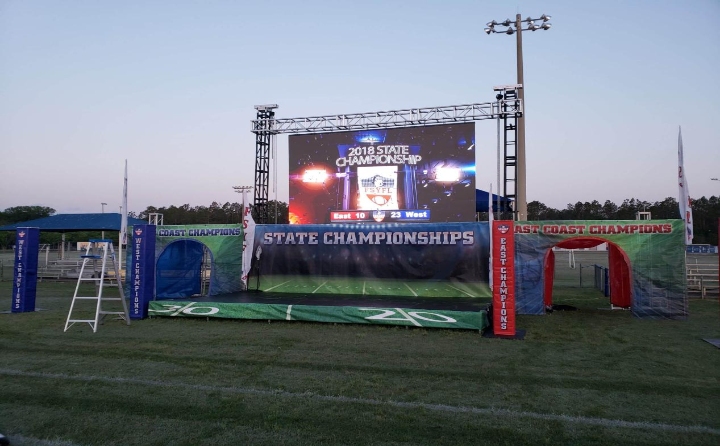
619 265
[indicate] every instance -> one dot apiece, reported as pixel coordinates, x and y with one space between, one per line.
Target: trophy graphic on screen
377 188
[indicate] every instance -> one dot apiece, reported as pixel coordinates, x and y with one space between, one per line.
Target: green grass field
591 377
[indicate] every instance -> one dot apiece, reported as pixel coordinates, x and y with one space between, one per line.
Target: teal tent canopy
75 222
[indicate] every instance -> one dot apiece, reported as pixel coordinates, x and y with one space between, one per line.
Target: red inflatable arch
620 271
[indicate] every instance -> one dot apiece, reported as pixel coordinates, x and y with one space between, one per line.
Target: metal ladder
98 250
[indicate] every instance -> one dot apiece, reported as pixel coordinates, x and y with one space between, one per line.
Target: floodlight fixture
489 30
545 17
507 87
266 107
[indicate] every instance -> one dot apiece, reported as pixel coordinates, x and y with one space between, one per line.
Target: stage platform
426 312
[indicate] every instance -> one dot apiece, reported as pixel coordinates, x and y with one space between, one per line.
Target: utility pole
102 235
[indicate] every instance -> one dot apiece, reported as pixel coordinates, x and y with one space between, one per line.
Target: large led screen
411 174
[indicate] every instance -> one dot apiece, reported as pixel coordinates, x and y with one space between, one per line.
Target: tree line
706 212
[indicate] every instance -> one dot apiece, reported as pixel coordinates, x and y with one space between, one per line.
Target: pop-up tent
482 205
75 223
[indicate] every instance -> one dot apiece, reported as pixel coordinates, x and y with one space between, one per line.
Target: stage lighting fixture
447 174
314 176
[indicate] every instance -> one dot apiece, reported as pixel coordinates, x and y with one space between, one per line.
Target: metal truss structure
266 127
510 151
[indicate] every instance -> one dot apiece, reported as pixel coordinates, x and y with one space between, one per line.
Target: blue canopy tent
481 202
75 223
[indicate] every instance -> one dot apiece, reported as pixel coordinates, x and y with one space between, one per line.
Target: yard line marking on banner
272 288
288 318
607 422
410 318
321 285
458 289
364 287
411 290
183 308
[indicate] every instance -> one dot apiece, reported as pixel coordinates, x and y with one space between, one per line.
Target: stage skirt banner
408 259
411 317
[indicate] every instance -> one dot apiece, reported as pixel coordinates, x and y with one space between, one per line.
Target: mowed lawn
592 376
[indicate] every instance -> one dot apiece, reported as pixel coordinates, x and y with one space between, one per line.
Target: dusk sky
170 86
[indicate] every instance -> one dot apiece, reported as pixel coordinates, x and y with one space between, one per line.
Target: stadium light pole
517 28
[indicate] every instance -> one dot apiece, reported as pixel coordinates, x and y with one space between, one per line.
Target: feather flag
124 218
684 196
248 239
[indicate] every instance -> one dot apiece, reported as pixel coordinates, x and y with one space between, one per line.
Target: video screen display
410 174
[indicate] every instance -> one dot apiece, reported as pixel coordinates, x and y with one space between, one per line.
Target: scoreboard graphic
413 174
380 216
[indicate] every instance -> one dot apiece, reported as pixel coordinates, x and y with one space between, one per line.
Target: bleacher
69 270
702 276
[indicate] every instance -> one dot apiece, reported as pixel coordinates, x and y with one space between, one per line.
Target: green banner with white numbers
412 317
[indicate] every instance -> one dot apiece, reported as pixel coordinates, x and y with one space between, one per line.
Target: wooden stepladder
99 252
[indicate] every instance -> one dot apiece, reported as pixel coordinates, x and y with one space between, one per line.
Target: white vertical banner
490 219
124 217
248 239
684 195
